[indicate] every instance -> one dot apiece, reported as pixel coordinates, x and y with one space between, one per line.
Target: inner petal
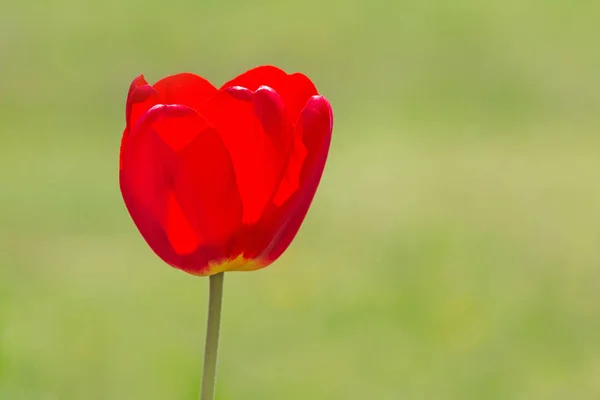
257 134
179 126
295 89
187 89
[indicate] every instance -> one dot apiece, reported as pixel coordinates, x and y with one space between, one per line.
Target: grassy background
451 252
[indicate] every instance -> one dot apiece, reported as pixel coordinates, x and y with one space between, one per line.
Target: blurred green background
451 251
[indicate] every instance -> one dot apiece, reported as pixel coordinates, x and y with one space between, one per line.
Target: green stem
211 348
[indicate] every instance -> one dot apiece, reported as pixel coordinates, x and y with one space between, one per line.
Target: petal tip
317 107
265 88
240 93
265 96
139 81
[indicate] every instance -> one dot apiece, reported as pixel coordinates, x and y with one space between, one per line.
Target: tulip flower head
221 179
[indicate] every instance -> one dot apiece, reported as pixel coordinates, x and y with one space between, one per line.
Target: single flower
221 179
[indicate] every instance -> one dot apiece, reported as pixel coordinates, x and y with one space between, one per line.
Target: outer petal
316 125
178 184
205 185
294 89
255 129
268 239
146 164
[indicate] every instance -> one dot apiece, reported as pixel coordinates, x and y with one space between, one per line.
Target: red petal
256 131
156 237
256 77
315 127
291 179
205 185
147 165
177 175
140 92
150 228
300 89
182 237
294 89
185 89
139 100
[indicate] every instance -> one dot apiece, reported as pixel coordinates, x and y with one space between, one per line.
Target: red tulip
221 179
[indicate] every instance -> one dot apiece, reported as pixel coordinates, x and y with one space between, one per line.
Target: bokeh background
451 251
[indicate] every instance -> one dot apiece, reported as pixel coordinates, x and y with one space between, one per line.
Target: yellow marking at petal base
236 264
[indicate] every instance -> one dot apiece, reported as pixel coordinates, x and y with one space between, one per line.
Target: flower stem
209 375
